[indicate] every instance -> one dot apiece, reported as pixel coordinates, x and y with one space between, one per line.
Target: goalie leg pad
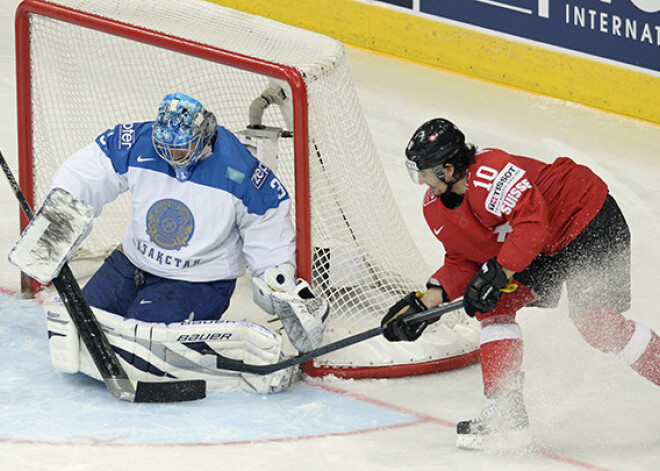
187 350
68 353
194 347
63 340
183 350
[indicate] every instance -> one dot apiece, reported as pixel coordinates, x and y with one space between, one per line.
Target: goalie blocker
181 350
52 236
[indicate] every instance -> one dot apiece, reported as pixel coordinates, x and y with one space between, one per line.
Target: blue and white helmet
181 133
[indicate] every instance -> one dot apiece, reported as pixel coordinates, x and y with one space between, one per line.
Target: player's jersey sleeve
262 214
454 275
89 175
465 241
501 190
268 239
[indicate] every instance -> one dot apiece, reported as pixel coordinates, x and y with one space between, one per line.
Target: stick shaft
22 200
430 315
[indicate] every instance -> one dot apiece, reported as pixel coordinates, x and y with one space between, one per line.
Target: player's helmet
433 144
181 132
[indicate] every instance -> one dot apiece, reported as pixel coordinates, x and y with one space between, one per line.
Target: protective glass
419 177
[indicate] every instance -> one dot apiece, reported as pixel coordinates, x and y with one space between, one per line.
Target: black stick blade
175 391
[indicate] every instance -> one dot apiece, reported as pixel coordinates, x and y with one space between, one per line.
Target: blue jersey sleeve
234 169
124 140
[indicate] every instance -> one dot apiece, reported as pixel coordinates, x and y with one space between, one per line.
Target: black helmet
434 144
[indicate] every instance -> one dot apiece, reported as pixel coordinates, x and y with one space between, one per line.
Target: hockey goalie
204 209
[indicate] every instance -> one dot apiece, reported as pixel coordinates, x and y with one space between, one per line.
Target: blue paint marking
39 404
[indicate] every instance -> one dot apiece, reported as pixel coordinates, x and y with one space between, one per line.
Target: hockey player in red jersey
514 230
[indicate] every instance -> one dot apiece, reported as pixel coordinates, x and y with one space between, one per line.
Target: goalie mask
182 132
434 144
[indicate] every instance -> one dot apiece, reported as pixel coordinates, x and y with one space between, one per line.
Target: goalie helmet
434 144
181 133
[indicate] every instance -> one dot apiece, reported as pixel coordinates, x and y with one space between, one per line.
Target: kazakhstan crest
170 224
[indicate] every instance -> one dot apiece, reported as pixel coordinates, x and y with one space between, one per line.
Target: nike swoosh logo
438 230
145 301
145 159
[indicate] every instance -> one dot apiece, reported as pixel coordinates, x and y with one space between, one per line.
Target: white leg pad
198 343
152 351
63 340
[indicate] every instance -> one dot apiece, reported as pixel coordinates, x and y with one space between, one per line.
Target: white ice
587 409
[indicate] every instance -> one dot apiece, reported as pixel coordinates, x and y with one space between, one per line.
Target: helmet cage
183 128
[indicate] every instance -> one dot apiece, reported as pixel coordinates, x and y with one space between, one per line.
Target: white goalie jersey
231 213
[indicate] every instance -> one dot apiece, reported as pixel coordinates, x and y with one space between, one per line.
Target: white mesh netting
85 81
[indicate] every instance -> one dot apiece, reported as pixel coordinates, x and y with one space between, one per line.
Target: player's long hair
462 160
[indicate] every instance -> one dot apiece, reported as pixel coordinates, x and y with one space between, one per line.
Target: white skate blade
506 441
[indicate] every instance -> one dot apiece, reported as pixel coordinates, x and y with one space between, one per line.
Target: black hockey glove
485 288
395 326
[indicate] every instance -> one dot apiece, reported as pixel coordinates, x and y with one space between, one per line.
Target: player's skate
502 424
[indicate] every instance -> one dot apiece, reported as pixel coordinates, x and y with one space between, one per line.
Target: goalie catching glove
395 324
301 312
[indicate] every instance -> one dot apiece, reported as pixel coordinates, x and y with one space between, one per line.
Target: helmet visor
421 177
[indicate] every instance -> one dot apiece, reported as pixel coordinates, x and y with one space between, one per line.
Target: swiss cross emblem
502 231
433 137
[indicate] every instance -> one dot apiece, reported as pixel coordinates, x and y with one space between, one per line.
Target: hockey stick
114 376
430 315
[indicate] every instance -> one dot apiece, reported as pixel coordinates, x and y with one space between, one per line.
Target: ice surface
587 409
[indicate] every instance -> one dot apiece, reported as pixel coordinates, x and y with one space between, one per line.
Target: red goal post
85 65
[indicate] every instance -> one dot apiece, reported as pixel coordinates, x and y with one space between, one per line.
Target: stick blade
174 391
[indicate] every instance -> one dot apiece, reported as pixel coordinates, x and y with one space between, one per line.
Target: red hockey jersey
514 208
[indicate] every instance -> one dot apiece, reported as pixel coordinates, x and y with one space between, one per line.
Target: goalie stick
430 315
114 376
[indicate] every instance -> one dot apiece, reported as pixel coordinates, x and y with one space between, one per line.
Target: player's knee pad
642 353
604 329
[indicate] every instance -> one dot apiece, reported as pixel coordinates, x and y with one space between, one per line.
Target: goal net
87 65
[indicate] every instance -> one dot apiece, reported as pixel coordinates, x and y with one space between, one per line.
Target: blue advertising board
626 31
